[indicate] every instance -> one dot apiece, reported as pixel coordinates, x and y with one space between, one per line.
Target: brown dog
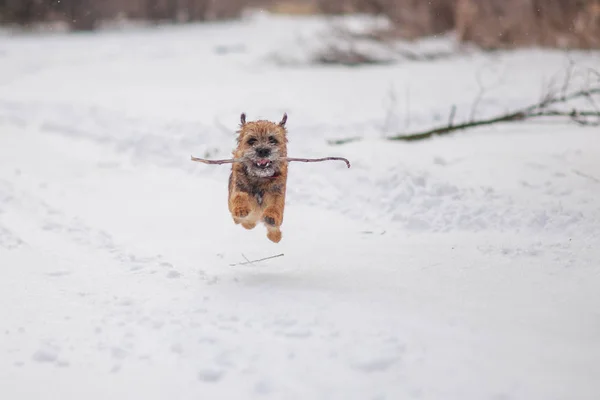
257 184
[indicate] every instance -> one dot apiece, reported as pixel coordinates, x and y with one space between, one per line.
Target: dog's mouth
261 167
263 163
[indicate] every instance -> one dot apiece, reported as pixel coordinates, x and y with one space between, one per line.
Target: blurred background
487 23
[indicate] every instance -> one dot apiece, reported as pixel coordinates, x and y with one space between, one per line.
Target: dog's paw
272 217
249 225
274 235
241 212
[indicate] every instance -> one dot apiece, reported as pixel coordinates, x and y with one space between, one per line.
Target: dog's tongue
262 162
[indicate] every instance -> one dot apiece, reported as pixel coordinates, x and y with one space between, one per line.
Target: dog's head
262 145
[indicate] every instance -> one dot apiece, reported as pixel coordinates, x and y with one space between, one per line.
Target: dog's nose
262 152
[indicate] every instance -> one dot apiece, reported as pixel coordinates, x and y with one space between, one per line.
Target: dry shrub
490 24
410 18
336 6
225 9
417 18
291 7
186 10
494 24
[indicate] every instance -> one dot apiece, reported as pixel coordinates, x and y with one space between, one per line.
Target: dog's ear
283 120
243 118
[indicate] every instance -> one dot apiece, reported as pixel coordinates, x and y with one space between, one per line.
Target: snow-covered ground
464 267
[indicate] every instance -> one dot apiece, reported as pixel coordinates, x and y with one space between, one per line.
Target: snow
463 267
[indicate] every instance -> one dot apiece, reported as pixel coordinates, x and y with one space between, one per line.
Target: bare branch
512 117
205 161
575 115
320 159
289 159
537 110
447 129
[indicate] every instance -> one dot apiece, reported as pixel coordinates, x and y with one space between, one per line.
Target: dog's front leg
240 206
273 215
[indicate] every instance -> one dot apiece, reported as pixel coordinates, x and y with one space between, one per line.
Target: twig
343 140
452 114
586 176
246 258
567 81
575 115
255 261
407 110
289 159
481 93
390 112
592 102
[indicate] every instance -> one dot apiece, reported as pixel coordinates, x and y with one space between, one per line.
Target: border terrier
257 184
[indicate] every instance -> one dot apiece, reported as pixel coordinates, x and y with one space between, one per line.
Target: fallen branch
512 117
289 159
255 261
538 110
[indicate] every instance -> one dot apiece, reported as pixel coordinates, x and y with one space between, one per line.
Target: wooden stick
289 159
205 161
320 159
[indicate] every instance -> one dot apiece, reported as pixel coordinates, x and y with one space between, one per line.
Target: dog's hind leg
274 234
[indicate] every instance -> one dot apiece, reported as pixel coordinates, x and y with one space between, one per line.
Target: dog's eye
273 140
251 141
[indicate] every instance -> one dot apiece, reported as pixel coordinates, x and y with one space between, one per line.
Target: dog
257 183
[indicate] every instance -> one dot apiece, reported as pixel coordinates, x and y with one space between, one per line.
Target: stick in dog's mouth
289 159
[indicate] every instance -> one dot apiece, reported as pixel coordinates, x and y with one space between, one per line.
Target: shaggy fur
257 185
